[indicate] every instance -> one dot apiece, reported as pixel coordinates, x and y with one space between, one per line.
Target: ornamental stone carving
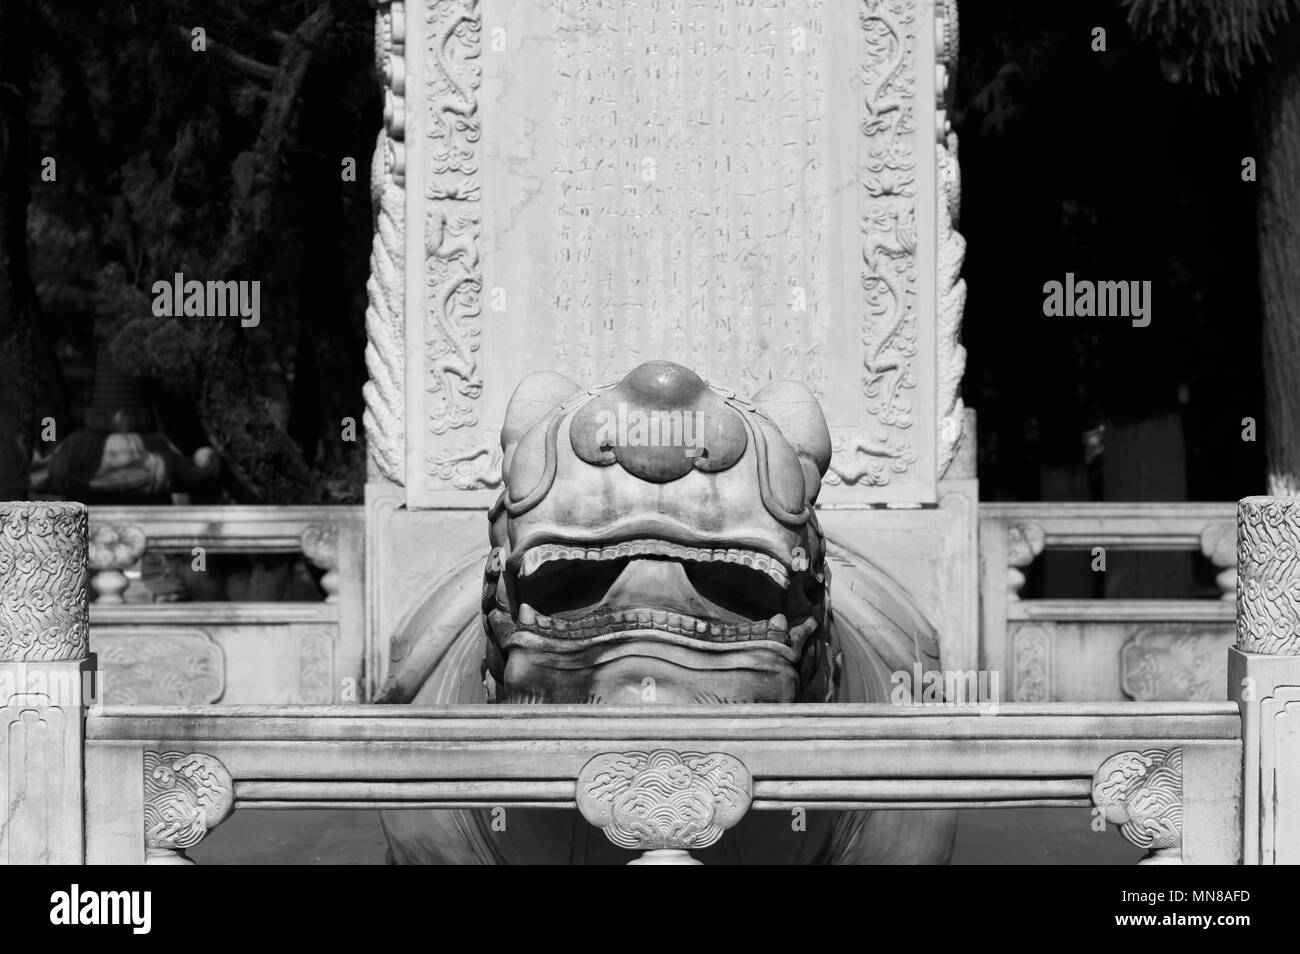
43 610
385 394
112 549
145 666
453 277
1142 792
320 546
816 244
664 802
951 357
1268 570
1024 542
1219 546
1033 664
656 542
1181 663
185 797
315 667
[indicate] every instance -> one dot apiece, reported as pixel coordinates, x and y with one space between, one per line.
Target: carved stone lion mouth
569 596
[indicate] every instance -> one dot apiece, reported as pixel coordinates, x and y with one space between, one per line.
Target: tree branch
245 64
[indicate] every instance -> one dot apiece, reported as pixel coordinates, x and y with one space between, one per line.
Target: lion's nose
659 422
664 385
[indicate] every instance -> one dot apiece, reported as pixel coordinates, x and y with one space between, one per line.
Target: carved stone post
1264 676
45 677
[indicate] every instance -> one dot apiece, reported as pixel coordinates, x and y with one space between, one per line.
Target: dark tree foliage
1255 44
1103 165
222 164
17 297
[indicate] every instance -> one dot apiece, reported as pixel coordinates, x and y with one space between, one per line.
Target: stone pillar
1264 676
45 675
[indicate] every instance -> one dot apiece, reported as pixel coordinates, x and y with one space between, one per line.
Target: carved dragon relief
453 275
676 562
889 266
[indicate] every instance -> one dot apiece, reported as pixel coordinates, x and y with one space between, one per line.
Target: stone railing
1188 782
182 652
283 653
780 758
1147 650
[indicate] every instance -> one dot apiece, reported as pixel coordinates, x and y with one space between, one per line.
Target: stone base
1267 688
42 730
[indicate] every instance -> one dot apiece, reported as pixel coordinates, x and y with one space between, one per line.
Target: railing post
1264 676
45 677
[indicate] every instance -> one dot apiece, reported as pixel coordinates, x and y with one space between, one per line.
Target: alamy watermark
129 908
946 687
64 687
637 427
1088 299
195 299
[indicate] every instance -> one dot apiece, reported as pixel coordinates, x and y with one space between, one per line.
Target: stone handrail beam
120 536
224 529
1130 526
809 756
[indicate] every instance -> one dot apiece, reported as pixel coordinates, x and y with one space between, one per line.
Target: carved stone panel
664 801
1175 665
185 797
1142 792
757 191
1032 661
148 666
315 667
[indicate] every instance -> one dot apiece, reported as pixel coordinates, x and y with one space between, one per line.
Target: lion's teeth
762 562
779 623
527 615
